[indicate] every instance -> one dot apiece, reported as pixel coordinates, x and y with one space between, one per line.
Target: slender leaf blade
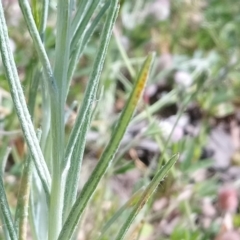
23 196
108 154
90 92
159 176
33 30
129 204
57 132
86 35
73 174
43 18
79 15
4 157
5 212
83 25
20 105
76 143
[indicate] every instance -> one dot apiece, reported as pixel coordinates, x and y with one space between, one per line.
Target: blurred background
190 106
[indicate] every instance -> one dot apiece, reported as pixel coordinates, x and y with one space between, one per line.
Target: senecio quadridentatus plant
48 201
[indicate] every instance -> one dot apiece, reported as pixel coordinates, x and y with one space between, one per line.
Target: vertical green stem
57 116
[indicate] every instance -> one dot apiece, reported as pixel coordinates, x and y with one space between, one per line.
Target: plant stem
57 116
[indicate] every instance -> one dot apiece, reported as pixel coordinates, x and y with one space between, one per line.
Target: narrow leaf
83 40
79 15
76 143
35 77
37 223
5 212
159 176
20 105
83 25
94 24
43 18
73 174
33 30
91 87
57 116
129 204
4 153
4 157
36 11
23 197
108 154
